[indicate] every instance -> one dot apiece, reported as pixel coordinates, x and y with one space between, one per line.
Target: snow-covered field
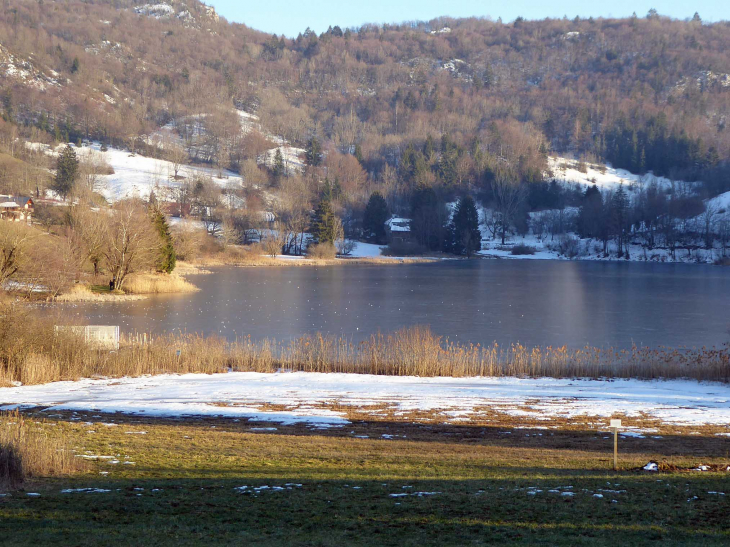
238 394
366 250
136 176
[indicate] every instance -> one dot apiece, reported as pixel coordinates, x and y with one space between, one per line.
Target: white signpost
615 425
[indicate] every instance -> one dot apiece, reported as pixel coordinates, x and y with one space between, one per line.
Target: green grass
194 467
100 289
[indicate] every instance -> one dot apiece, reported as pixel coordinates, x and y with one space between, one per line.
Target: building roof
399 224
8 204
17 201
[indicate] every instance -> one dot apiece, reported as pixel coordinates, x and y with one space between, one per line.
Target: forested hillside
449 107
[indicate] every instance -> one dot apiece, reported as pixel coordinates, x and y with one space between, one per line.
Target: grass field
386 482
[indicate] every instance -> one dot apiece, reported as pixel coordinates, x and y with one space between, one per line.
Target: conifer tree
619 216
466 239
324 223
427 218
374 219
167 260
429 148
447 162
358 153
314 152
66 171
279 168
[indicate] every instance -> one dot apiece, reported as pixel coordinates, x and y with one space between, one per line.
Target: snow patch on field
237 395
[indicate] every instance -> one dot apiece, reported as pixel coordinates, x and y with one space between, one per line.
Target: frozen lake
480 301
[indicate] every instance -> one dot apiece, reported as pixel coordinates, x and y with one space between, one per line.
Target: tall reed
31 352
28 450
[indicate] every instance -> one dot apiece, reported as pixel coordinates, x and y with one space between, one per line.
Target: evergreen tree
75 65
66 170
427 218
279 169
447 162
410 101
358 153
314 152
590 216
374 219
619 217
167 259
327 190
332 190
336 189
323 223
429 148
466 239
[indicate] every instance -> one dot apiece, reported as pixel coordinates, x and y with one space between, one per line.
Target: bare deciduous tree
89 233
131 243
509 195
15 242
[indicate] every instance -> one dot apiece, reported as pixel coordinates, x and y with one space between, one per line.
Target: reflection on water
480 301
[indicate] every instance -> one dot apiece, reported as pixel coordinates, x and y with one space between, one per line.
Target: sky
291 18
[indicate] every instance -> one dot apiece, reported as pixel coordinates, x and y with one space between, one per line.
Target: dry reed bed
157 283
408 352
82 293
28 450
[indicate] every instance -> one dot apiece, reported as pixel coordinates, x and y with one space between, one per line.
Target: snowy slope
605 177
720 203
136 175
673 401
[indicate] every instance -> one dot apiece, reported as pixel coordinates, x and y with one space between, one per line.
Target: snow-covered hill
137 176
570 171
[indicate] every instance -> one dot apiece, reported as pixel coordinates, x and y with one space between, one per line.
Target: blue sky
293 17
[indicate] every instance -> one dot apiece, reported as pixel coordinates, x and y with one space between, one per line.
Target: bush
404 248
522 249
345 246
322 251
567 246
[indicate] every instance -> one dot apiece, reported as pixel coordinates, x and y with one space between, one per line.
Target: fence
100 336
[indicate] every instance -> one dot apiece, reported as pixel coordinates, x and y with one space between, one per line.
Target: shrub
322 251
522 249
567 246
344 246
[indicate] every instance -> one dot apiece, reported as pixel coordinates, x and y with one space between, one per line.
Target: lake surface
480 301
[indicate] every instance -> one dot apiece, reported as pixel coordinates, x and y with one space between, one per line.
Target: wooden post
615 425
